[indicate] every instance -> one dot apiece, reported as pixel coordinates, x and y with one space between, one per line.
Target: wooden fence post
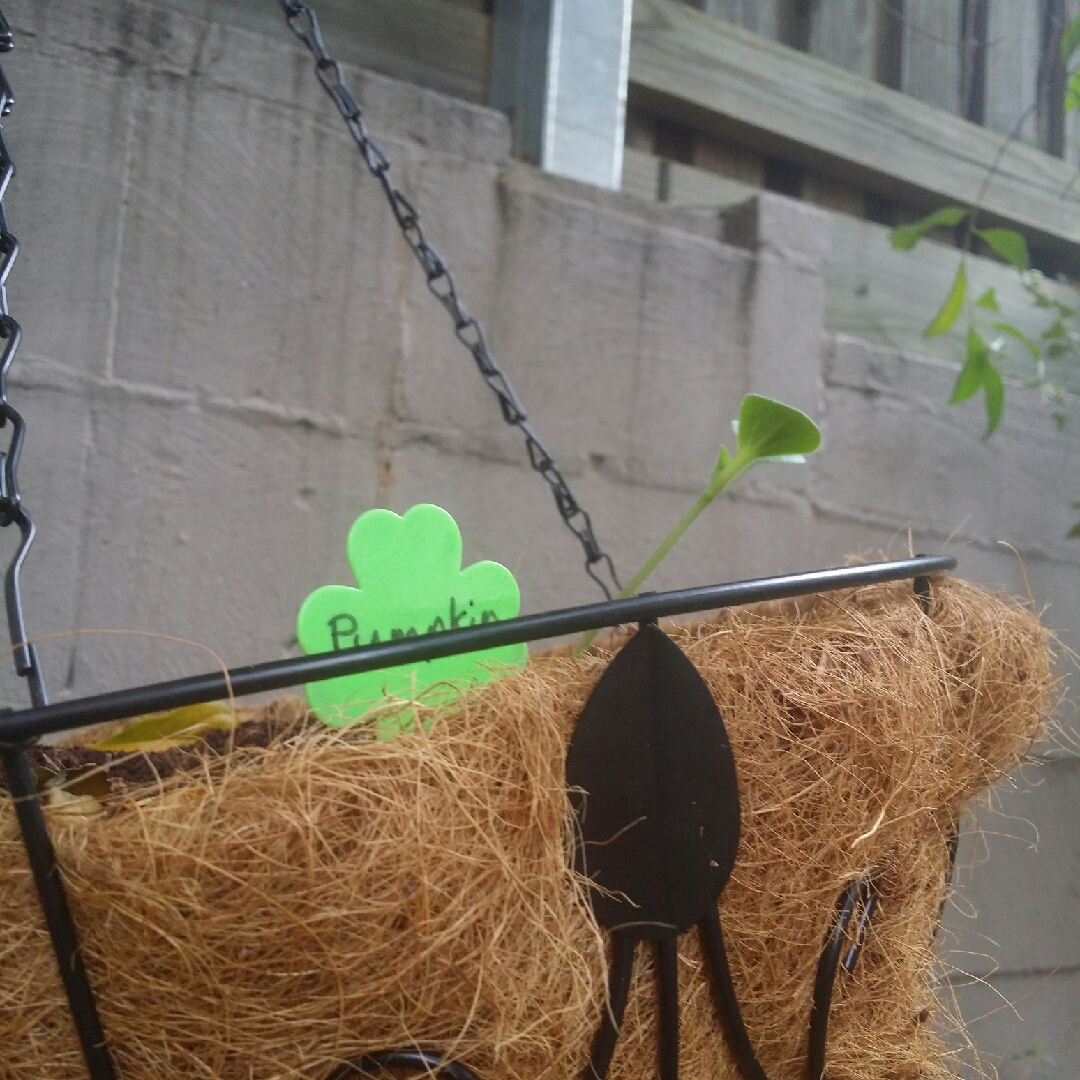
559 70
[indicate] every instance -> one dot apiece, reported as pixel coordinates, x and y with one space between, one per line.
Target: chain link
304 23
12 511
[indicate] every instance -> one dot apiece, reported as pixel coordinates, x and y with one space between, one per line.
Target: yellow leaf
165 731
64 802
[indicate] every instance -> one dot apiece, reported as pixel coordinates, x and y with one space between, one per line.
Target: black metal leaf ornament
652 776
651 769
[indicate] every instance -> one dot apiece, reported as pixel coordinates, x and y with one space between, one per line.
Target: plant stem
717 483
669 541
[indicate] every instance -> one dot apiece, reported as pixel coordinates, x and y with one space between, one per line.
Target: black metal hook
921 588
952 847
727 1003
430 1062
54 906
861 896
623 948
922 591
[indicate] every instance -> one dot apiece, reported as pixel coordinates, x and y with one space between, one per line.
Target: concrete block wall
229 354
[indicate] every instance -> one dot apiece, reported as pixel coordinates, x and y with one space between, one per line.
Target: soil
125 770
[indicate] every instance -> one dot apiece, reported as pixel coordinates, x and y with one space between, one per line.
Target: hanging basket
297 897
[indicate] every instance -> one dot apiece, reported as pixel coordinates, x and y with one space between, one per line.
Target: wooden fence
989 61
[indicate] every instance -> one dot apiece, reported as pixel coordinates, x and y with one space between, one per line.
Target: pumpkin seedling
766 430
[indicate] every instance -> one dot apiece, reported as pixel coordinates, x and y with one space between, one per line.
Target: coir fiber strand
270 912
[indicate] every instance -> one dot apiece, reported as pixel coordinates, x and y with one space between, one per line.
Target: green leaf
1055 331
1008 243
1060 419
994 386
988 300
163 731
1038 297
1072 92
970 380
1070 39
1033 282
781 459
1018 335
723 460
954 304
979 373
769 429
968 383
907 236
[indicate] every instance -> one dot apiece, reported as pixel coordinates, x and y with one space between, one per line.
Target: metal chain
305 25
12 511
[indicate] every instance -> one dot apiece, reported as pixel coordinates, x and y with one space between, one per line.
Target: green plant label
410 580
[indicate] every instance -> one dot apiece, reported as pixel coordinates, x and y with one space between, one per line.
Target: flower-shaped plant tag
411 583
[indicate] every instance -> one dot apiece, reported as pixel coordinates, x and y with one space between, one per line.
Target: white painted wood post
559 69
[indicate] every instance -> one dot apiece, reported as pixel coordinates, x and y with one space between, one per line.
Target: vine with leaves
986 332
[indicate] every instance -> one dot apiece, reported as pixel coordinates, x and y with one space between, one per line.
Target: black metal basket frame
21 729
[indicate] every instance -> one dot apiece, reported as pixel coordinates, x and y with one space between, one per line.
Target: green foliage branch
986 335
